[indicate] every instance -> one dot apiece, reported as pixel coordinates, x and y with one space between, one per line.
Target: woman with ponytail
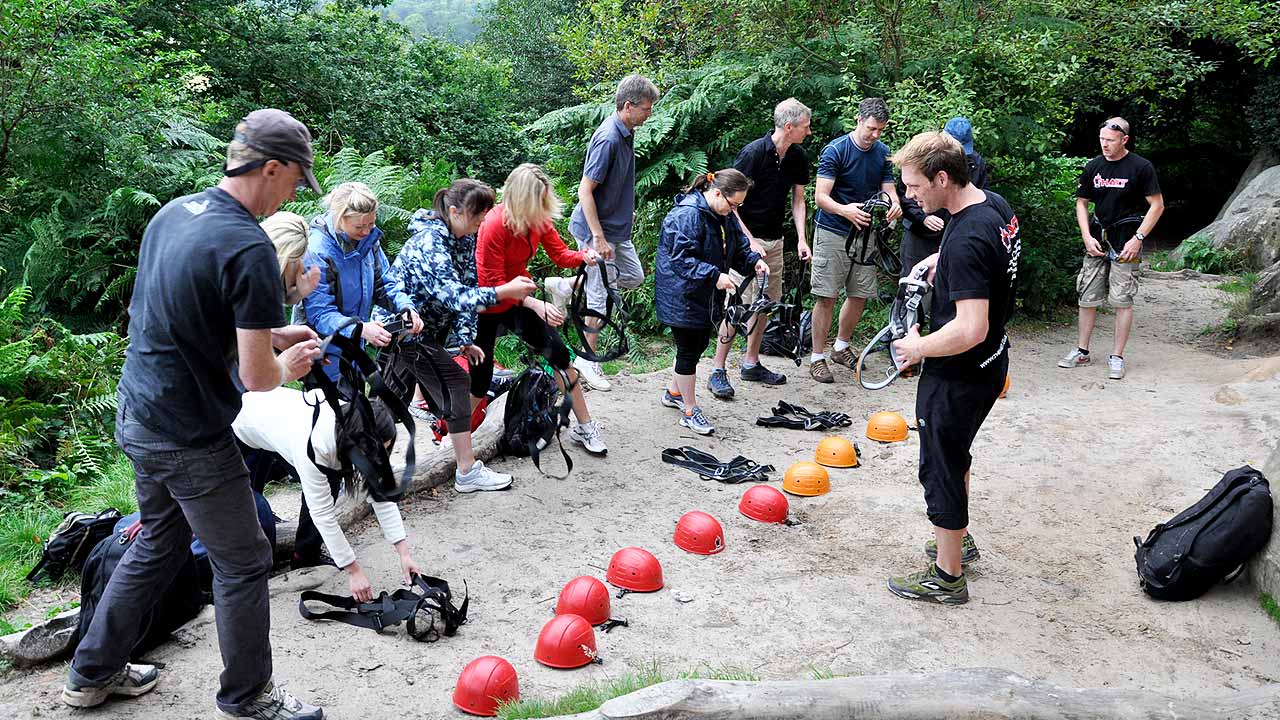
701 241
438 268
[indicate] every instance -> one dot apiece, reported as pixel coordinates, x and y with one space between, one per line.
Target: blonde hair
350 198
932 153
791 111
529 200
288 232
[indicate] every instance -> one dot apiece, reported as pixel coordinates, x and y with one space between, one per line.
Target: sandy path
1066 471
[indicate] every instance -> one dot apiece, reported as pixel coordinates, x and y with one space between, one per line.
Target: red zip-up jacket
502 256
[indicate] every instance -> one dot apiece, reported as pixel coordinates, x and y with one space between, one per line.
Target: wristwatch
1140 236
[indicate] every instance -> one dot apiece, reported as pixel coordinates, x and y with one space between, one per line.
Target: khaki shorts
1102 280
772 257
833 269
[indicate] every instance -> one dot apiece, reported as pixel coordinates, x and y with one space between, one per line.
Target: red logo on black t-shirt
1009 232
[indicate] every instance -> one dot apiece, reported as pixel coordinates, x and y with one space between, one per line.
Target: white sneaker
480 477
560 290
590 437
1075 358
1115 366
591 376
133 679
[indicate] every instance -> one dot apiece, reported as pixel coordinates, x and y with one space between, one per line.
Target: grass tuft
1269 606
113 488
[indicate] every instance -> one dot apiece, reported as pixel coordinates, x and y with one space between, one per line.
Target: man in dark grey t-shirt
206 311
606 208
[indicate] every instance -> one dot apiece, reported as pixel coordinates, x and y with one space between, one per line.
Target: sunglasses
1116 127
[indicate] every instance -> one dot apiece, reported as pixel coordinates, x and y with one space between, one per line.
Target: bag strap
559 414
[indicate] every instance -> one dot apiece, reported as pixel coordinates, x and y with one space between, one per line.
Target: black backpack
533 417
178 602
72 541
1208 542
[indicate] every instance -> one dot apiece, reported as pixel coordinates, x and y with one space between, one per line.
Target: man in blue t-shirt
206 312
852 169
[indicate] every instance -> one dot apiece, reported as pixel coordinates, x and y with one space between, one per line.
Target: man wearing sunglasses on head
1126 199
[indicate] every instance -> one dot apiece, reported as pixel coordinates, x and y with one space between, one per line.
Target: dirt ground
1066 471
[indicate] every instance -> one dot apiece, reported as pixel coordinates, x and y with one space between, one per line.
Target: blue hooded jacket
350 283
696 245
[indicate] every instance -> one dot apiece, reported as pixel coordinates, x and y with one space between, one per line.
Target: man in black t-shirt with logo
778 168
974 276
206 311
1126 199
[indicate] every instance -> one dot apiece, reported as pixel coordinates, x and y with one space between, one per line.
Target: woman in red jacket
510 235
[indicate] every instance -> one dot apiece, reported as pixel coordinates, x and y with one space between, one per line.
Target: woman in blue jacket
354 272
699 244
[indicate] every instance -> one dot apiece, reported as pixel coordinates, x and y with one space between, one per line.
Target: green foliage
1269 606
1264 121
1198 253
523 34
455 20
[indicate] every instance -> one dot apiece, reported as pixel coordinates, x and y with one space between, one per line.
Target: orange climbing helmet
566 641
485 683
699 533
585 596
764 503
887 427
836 452
635 569
806 478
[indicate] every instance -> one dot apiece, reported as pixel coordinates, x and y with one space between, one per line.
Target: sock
1083 351
748 365
840 345
673 393
943 574
1117 356
815 357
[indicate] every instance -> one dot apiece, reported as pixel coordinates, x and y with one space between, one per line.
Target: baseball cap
279 136
961 129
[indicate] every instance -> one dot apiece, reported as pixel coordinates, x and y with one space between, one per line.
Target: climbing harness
871 370
797 417
709 467
874 237
613 320
1114 236
420 609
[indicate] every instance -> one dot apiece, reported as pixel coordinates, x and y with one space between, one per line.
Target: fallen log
966 694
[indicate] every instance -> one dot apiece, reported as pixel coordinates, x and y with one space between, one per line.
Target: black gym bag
1208 542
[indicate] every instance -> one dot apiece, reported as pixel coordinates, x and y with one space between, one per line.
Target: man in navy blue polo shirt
779 170
606 207
852 169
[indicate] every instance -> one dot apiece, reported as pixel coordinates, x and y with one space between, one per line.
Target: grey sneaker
1075 358
672 401
275 704
480 477
760 373
719 385
1115 367
590 437
968 550
133 680
697 421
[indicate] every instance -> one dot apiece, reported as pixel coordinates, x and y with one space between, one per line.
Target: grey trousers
625 271
181 489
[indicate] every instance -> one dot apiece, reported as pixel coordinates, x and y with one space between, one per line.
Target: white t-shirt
280 421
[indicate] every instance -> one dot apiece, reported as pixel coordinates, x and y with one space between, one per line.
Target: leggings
443 381
690 344
529 327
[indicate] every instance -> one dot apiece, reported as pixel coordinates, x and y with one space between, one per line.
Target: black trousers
529 327
690 344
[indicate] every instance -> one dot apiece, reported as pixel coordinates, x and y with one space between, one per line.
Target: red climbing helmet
585 596
566 641
484 683
699 533
764 503
635 569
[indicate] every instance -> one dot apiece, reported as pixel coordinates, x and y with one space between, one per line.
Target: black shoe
762 374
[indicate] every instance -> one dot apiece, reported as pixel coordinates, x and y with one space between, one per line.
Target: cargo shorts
773 258
1102 280
834 270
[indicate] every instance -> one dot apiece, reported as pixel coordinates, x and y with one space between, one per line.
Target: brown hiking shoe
819 371
845 357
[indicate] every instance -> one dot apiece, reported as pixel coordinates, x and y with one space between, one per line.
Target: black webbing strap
797 417
876 206
613 317
709 467
390 609
359 368
560 414
902 316
742 317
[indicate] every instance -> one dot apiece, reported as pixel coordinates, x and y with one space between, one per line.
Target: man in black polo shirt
974 276
1127 203
206 311
779 169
